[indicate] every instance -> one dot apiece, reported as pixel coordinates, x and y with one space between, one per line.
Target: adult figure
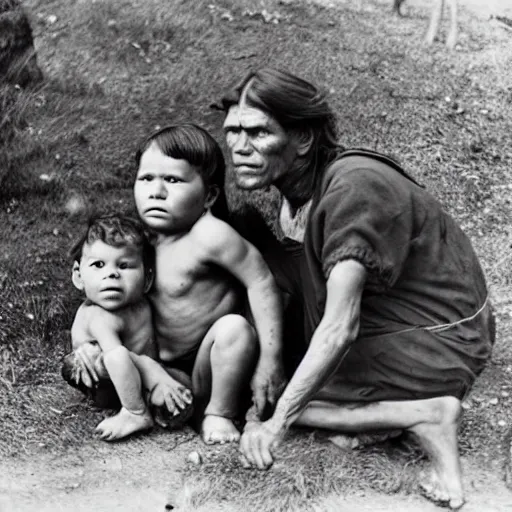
396 315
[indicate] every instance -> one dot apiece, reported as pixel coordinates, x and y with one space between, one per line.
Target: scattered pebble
51 19
502 423
195 458
505 394
30 316
493 401
466 405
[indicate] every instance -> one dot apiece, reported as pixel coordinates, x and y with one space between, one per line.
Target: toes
456 504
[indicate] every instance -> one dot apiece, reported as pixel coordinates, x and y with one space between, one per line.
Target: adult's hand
267 383
259 442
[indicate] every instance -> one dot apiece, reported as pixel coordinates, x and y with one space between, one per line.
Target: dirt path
130 478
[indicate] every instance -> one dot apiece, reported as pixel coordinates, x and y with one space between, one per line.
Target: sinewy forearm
331 340
266 307
328 346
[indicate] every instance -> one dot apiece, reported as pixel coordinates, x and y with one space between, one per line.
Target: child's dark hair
195 145
117 231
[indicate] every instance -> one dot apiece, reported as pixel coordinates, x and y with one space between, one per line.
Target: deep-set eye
262 132
145 177
97 264
171 179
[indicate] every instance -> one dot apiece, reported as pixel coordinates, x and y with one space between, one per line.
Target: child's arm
105 327
225 247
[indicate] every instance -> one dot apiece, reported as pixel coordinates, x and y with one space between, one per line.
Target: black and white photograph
255 255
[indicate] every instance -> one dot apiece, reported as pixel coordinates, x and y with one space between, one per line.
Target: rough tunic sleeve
365 216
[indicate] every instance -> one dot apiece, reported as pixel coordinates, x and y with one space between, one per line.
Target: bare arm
335 333
106 327
226 248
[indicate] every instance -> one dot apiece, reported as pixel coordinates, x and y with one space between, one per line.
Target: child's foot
123 424
217 429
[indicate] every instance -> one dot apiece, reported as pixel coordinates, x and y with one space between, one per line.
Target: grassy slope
117 69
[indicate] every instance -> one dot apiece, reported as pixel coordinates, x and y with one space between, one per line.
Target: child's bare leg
224 366
134 415
434 421
166 390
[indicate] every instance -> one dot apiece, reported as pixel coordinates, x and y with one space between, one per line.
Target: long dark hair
296 104
195 145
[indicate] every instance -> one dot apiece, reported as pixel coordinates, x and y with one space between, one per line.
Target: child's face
111 277
170 194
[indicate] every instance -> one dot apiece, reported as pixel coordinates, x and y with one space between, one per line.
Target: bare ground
130 478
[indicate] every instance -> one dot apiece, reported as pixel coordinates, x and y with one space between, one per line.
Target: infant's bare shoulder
97 316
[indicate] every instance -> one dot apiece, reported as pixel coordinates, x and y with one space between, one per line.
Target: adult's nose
242 145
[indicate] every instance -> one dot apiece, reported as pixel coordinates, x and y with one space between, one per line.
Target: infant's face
170 194
112 277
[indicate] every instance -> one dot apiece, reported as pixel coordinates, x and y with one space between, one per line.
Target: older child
204 272
113 264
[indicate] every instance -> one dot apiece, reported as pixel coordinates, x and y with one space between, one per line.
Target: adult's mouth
248 168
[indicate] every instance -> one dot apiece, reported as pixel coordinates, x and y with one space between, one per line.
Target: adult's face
262 151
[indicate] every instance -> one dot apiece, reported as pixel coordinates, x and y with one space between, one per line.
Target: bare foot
439 440
123 424
217 429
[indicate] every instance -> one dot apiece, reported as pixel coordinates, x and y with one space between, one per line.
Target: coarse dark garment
422 272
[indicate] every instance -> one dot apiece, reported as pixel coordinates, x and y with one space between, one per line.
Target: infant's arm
106 327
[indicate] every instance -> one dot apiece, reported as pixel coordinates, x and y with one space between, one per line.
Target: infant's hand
86 356
173 394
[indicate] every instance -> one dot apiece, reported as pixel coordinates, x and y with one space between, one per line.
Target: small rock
505 394
227 16
502 423
493 401
466 405
195 458
51 19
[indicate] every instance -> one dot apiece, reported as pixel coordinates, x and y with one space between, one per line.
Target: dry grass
115 70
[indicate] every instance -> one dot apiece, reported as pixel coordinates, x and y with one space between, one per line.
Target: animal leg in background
435 21
397 4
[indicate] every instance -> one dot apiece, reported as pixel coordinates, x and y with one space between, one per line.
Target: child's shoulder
210 231
91 314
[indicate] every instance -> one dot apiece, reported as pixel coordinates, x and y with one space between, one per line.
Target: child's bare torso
188 296
134 321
